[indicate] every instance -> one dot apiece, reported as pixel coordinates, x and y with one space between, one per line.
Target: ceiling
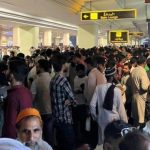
68 11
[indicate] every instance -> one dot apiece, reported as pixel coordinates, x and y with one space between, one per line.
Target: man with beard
29 129
18 98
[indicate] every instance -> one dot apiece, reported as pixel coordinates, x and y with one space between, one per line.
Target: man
33 73
19 97
113 134
79 112
136 141
95 77
29 129
79 59
126 83
140 84
108 100
41 96
101 63
128 57
133 63
62 99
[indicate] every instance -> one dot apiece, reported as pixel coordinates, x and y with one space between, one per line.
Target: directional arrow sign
109 14
86 16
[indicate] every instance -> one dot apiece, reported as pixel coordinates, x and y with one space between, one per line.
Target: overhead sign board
109 14
147 1
119 36
136 33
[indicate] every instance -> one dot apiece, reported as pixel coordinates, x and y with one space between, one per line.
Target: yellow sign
119 36
136 33
109 14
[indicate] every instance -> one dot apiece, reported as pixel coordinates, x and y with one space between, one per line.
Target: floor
100 147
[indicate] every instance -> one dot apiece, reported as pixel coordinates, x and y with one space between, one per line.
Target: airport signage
119 36
109 14
147 1
136 33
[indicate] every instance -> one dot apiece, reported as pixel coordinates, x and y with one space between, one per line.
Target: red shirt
19 97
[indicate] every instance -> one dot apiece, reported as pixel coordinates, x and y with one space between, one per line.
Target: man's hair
128 64
141 60
19 69
49 52
134 141
12 53
80 67
3 67
91 61
44 64
100 60
78 55
21 55
57 62
6 57
113 130
148 62
133 60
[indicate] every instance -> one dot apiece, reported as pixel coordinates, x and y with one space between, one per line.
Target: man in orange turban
29 129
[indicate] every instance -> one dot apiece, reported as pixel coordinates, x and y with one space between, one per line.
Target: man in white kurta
95 77
104 116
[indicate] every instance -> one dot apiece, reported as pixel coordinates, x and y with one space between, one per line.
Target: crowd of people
77 99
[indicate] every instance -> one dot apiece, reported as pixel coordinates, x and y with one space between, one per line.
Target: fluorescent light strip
19 17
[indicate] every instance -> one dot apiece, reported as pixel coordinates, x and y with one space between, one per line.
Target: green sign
119 36
109 14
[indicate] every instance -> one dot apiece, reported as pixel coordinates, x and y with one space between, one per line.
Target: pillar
66 39
3 40
47 38
88 35
26 37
